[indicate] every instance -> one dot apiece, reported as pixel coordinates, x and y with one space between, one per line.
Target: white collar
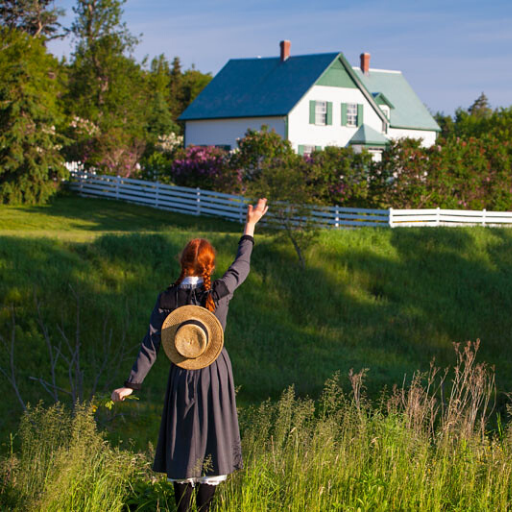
191 281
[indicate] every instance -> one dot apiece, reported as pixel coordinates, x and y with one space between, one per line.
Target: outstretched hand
118 395
255 213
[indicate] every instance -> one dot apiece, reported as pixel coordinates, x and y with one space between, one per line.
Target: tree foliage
30 160
34 17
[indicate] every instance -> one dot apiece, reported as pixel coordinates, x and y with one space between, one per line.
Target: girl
199 440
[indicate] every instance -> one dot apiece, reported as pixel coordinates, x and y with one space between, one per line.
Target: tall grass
64 464
387 300
420 447
413 450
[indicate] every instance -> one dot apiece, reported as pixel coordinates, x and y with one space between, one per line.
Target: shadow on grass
388 300
391 311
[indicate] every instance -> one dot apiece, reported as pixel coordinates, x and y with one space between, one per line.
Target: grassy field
387 300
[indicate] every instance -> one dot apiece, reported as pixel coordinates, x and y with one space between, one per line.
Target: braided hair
198 259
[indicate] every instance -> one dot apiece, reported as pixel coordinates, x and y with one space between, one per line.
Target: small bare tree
65 358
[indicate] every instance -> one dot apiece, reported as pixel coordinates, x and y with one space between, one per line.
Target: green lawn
387 300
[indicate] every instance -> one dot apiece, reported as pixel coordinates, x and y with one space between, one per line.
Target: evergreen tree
160 120
107 87
480 107
30 163
35 17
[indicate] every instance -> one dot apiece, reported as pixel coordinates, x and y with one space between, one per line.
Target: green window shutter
312 105
359 115
318 148
343 114
301 147
329 112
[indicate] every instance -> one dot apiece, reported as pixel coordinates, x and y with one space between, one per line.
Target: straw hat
192 337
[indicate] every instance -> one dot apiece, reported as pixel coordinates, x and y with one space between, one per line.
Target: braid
210 305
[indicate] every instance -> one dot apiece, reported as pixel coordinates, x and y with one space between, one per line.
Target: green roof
409 112
367 136
258 87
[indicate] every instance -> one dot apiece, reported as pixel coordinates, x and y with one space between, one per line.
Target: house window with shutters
321 112
307 149
351 114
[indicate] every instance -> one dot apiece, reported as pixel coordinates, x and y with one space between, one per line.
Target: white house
311 100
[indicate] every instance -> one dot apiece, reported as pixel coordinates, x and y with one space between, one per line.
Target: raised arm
236 274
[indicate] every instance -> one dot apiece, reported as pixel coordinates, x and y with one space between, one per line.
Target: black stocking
205 494
183 496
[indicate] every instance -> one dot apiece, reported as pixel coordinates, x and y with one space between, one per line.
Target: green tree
480 107
184 87
270 168
159 117
30 163
340 176
35 17
107 87
257 149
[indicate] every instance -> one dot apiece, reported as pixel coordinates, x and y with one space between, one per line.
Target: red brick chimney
365 63
285 49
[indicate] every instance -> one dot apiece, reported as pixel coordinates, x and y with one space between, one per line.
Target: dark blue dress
199 434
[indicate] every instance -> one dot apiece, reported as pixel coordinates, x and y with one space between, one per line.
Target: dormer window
386 110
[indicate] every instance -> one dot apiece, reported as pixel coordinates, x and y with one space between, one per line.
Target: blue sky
449 50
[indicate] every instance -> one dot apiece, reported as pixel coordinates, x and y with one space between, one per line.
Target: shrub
205 167
339 176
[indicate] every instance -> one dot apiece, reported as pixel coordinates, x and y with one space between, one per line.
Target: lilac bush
207 167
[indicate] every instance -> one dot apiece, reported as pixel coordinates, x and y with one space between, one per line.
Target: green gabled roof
409 111
258 87
367 136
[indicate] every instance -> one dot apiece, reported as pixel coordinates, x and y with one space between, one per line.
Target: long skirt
199 433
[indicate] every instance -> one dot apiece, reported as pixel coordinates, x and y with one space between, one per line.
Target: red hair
198 259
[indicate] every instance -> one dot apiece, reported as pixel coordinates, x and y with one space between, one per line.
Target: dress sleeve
148 349
236 274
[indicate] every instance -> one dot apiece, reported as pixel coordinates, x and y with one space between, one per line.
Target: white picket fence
195 201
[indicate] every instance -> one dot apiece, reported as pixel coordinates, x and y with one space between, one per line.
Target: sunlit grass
387 300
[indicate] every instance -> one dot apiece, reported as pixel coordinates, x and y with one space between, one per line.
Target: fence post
156 193
198 201
390 217
241 210
337 217
483 216
118 182
438 216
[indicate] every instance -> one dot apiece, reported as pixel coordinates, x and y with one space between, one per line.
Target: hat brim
215 336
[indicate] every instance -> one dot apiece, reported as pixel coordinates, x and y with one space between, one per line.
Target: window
308 150
321 112
385 110
351 114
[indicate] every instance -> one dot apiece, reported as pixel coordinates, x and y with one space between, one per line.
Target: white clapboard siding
196 201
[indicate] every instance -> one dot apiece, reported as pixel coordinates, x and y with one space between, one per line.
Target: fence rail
196 201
